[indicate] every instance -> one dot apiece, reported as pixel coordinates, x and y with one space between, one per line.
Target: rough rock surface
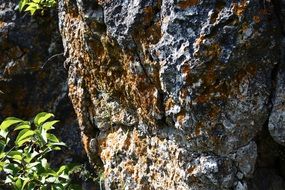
32 75
171 94
277 117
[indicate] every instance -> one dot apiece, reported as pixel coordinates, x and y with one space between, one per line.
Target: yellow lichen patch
187 3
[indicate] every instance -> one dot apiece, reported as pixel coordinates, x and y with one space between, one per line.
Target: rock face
32 75
171 94
277 118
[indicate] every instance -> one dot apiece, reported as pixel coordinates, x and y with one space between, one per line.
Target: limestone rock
173 91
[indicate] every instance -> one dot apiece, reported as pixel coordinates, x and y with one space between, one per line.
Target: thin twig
49 59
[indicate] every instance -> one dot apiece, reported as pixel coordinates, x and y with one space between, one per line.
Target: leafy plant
36 5
24 147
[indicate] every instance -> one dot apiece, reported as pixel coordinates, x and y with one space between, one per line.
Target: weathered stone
277 118
174 91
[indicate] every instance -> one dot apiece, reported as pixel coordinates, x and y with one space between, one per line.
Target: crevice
270 166
276 69
140 59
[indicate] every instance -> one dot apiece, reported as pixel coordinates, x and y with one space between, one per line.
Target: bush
36 5
24 147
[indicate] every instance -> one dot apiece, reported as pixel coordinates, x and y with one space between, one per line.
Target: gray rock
174 91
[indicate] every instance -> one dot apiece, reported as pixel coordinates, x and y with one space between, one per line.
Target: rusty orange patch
198 128
187 3
256 19
239 8
169 103
199 40
2 24
190 170
85 141
181 116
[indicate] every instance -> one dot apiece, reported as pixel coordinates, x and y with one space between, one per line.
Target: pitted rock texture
171 94
32 75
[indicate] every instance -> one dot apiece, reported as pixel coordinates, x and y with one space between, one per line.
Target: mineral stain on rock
184 4
172 94
177 91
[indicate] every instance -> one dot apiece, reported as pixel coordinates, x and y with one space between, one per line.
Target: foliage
36 5
24 148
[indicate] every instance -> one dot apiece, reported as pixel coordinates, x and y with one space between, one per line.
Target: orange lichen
190 170
129 166
250 69
198 128
199 40
214 111
256 19
239 8
187 3
127 143
85 142
141 145
169 104
185 69
2 24
148 16
181 116
184 93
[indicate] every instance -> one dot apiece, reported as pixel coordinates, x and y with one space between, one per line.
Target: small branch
49 59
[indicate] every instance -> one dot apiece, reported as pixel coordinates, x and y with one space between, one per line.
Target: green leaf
9 122
18 183
52 138
30 156
51 179
37 1
44 135
11 168
24 136
3 133
49 125
16 155
23 126
64 176
42 117
32 9
20 143
22 4
61 169
26 181
44 163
